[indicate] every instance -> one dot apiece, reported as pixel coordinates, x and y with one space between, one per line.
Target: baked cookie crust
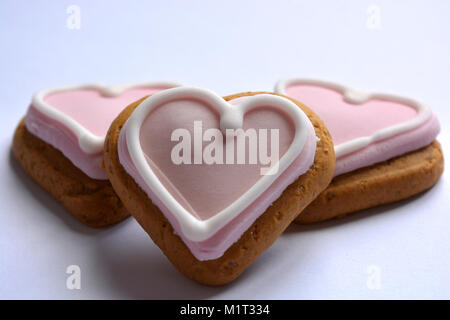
389 181
91 201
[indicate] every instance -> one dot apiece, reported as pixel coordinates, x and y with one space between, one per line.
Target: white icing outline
193 228
89 142
353 96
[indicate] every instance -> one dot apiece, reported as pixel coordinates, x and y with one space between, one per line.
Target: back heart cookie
373 133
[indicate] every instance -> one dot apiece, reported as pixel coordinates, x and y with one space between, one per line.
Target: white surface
228 47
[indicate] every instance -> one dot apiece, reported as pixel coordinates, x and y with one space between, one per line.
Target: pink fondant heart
204 190
75 120
202 199
366 128
347 121
95 107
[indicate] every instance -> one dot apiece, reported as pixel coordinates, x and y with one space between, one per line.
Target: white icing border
89 142
231 116
351 95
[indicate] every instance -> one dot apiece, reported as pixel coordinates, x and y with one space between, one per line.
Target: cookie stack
216 180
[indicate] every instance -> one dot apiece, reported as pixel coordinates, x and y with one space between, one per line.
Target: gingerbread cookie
385 146
214 183
60 145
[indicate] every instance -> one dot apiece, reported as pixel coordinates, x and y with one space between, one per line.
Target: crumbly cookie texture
396 179
262 233
91 201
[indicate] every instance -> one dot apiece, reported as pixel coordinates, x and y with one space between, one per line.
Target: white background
396 251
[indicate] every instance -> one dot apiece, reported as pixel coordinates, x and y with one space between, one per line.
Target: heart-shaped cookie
211 205
75 119
228 188
367 128
384 144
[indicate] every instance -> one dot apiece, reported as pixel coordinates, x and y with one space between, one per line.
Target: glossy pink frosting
90 108
347 121
205 190
62 138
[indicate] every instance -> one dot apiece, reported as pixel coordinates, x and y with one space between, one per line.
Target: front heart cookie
367 128
207 166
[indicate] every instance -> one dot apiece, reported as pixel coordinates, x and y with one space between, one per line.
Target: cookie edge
347 194
93 202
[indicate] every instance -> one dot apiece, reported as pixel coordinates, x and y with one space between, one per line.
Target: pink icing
186 182
347 121
92 110
389 148
62 138
206 189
